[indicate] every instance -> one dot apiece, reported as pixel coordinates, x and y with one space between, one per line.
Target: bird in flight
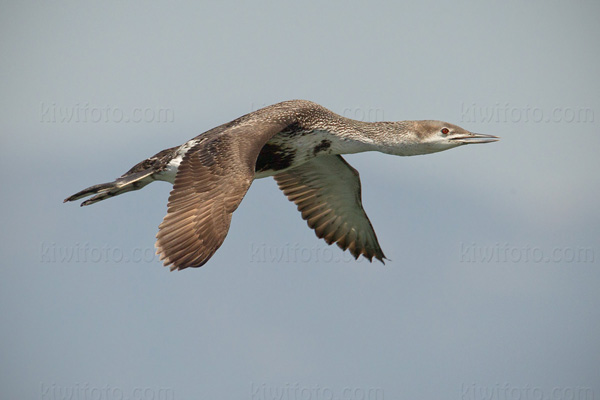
300 144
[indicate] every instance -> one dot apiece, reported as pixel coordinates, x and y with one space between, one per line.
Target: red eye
445 131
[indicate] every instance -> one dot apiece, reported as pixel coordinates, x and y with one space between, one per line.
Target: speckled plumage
299 143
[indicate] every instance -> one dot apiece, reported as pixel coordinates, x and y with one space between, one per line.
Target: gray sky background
493 284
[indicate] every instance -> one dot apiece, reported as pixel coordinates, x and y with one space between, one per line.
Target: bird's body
299 143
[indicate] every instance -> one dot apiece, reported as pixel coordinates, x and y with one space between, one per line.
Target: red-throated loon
299 143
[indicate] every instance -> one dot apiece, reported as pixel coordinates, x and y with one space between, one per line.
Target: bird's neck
397 138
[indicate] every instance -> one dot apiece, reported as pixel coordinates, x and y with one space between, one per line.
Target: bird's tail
126 183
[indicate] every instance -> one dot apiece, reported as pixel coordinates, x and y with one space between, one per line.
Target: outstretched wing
327 193
211 181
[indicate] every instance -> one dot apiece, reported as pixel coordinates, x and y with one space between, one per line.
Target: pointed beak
475 138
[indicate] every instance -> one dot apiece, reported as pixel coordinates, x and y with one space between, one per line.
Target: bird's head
423 137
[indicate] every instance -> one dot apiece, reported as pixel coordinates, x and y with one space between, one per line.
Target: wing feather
327 192
211 181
